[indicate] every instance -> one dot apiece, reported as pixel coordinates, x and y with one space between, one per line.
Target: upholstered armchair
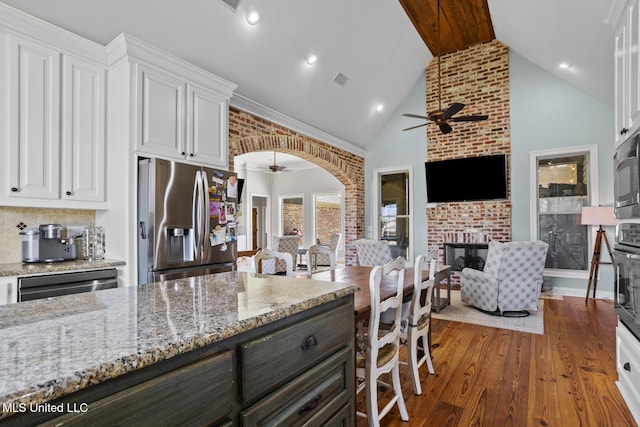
322 257
272 262
373 252
287 244
511 280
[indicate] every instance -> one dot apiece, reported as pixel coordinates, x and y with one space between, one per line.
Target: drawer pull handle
309 342
311 405
627 367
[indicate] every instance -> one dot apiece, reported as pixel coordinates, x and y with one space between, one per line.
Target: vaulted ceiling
379 46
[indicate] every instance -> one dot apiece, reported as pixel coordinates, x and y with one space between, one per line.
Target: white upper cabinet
626 68
83 130
33 88
179 111
54 86
161 113
207 125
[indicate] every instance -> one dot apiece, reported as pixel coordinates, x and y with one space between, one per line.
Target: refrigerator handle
206 210
195 215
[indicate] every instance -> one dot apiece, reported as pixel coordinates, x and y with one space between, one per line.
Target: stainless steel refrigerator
186 220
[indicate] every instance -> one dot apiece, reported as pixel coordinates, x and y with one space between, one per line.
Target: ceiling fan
275 167
441 116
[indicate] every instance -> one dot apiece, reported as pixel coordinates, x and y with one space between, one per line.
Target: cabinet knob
311 405
68 193
191 154
14 189
183 153
309 342
623 131
627 367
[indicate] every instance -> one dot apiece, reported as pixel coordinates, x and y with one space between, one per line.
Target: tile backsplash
12 220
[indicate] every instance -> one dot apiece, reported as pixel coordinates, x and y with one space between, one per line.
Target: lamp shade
598 215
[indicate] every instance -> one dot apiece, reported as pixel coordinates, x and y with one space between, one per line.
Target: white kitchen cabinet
161 113
207 126
179 119
33 87
626 71
54 84
628 367
83 130
8 289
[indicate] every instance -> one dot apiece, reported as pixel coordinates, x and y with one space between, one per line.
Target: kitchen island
227 349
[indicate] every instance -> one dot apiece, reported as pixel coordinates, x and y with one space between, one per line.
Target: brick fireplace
479 78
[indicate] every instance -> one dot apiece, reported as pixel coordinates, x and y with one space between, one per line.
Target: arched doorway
248 133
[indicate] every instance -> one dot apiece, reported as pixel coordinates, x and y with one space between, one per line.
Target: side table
443 272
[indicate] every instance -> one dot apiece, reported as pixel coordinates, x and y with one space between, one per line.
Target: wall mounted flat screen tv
467 179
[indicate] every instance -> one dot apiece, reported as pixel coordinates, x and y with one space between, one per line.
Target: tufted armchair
511 280
270 262
373 252
323 258
286 244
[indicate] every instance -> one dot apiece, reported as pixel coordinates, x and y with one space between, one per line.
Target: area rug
460 312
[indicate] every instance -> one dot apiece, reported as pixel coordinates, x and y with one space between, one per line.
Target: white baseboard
573 292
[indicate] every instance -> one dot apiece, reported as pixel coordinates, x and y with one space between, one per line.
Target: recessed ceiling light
565 65
379 108
253 17
312 59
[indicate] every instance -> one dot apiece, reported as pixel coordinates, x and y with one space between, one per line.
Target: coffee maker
45 244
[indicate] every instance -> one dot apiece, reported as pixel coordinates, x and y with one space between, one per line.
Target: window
393 215
562 187
292 216
327 216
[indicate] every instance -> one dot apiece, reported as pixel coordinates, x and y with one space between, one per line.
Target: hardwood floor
497 377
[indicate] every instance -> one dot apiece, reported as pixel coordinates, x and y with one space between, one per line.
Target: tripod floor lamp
597 215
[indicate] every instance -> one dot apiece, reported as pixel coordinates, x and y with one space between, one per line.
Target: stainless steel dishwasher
53 285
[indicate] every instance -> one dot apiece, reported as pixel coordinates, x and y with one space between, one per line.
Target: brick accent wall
479 78
248 133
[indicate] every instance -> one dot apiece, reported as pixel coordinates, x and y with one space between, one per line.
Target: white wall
547 113
305 184
393 147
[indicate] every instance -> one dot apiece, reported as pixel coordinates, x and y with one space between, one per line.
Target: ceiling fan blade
469 118
453 108
415 116
445 128
413 127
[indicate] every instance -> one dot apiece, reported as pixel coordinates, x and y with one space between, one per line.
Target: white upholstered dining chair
382 345
419 321
373 252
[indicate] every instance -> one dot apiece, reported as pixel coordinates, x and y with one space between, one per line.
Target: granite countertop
25 269
50 348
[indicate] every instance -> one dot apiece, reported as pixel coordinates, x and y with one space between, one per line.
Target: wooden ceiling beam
462 23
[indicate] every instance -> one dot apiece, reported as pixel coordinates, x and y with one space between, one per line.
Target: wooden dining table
359 275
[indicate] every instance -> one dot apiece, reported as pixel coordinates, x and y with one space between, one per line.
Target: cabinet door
620 73
83 133
161 113
34 117
207 120
633 65
8 289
